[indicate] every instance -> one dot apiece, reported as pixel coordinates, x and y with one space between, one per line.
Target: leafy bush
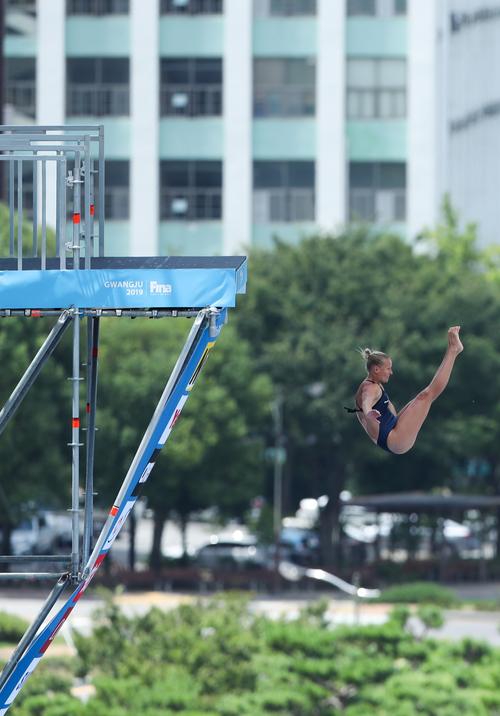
419 593
217 658
12 628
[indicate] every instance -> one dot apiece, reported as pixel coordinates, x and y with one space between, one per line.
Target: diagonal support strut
202 336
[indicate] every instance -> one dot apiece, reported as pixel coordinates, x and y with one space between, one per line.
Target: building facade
228 122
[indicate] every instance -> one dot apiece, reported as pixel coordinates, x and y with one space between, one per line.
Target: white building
230 121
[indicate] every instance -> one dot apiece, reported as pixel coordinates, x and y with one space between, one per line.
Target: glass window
81 70
376 88
117 189
190 190
361 7
292 7
97 7
377 191
284 87
376 8
191 87
392 73
283 191
20 18
20 87
97 87
361 73
191 7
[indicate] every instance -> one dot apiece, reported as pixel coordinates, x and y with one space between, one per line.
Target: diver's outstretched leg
412 416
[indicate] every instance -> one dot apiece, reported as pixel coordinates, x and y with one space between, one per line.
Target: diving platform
60 271
178 283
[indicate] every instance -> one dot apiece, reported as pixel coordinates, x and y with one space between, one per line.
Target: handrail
294 572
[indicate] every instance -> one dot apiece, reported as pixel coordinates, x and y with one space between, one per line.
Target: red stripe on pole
114 510
92 210
76 422
87 407
95 353
36 314
76 218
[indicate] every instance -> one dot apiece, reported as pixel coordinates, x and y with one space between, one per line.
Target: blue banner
122 288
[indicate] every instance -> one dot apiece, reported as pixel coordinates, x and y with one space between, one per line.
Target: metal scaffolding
71 280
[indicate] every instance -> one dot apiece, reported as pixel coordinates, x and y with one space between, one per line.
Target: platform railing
67 163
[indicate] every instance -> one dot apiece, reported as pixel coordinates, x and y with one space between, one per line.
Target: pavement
459 623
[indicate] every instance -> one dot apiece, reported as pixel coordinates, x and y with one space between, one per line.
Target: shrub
419 593
12 628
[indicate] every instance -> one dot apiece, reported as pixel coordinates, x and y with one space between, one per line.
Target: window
117 189
284 8
190 190
191 7
283 191
97 87
20 86
284 87
376 8
191 87
376 88
20 18
377 191
97 7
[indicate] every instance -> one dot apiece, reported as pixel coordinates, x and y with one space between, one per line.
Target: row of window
262 8
192 87
283 191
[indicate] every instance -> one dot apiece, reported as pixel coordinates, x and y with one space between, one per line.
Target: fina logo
160 288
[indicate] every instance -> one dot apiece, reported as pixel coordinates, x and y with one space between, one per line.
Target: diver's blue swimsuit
387 418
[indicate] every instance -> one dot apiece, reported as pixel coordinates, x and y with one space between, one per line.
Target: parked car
299 543
242 554
41 533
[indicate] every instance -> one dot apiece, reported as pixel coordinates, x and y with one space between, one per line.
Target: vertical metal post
75 449
92 353
92 211
63 208
88 179
44 215
77 210
59 236
102 178
12 169
35 205
278 475
20 214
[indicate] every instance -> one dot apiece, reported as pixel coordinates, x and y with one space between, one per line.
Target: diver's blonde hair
372 358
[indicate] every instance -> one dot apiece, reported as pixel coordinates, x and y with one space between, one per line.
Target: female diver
392 431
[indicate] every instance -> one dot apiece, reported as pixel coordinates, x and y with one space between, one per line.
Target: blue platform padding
171 282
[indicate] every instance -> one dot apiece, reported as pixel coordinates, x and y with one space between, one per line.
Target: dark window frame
287 199
192 7
366 192
191 199
398 95
97 8
99 97
283 98
117 190
194 98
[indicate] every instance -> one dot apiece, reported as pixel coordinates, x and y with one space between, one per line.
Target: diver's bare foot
454 342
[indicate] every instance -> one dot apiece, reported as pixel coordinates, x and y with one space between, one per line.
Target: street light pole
279 460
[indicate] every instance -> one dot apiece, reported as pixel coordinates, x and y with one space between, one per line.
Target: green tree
214 456
309 307
35 461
